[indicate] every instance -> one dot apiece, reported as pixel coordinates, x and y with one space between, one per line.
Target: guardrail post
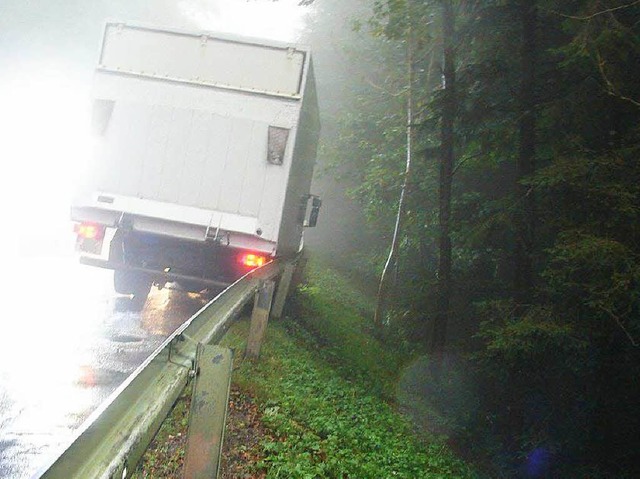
208 412
282 291
259 319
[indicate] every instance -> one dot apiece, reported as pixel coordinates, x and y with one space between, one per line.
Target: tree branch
619 323
611 88
463 161
593 15
374 85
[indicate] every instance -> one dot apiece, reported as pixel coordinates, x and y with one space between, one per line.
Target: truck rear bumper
172 220
157 275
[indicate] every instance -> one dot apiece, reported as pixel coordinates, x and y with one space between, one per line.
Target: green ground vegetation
327 426
322 380
165 456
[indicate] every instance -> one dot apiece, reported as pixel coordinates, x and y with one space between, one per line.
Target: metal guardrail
208 413
114 438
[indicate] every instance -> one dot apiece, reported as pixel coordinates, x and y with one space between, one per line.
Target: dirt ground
244 432
241 448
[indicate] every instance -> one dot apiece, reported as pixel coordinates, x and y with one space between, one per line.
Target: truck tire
132 282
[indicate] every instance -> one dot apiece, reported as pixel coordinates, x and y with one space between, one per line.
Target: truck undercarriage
141 260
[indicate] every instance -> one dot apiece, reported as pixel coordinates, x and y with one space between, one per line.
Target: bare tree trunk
525 165
438 339
393 251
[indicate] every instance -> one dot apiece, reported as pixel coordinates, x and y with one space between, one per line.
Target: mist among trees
510 129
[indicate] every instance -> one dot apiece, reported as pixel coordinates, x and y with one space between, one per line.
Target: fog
48 51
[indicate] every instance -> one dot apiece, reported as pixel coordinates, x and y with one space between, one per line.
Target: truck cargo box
201 137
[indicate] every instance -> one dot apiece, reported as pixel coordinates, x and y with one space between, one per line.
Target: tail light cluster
90 237
90 231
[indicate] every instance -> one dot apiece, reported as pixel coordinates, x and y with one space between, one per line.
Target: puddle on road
92 377
125 338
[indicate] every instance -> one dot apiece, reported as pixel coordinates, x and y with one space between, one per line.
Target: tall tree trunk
525 165
393 251
438 339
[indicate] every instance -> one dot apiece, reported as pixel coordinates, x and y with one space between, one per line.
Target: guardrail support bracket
283 290
259 319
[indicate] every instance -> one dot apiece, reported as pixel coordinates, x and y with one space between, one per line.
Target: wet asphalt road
68 341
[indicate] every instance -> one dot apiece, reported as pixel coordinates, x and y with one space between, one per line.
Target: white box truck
204 152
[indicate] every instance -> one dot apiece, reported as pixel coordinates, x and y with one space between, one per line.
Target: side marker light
252 260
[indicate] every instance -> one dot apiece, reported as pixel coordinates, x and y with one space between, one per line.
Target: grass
165 456
334 315
323 382
324 425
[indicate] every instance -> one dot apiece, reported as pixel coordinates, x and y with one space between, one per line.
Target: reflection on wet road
68 341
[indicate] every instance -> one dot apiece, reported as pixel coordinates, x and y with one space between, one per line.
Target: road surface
68 341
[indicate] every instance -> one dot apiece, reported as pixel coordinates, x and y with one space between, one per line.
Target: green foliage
518 342
321 380
339 319
165 455
601 277
326 426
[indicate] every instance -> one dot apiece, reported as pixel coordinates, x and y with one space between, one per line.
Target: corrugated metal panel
254 176
235 161
273 193
219 140
155 152
197 150
175 158
188 157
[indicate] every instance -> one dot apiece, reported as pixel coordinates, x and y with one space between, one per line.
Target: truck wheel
132 282
135 283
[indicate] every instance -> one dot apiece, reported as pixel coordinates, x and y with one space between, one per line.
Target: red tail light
90 231
252 260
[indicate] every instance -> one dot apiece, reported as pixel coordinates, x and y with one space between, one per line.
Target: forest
483 160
